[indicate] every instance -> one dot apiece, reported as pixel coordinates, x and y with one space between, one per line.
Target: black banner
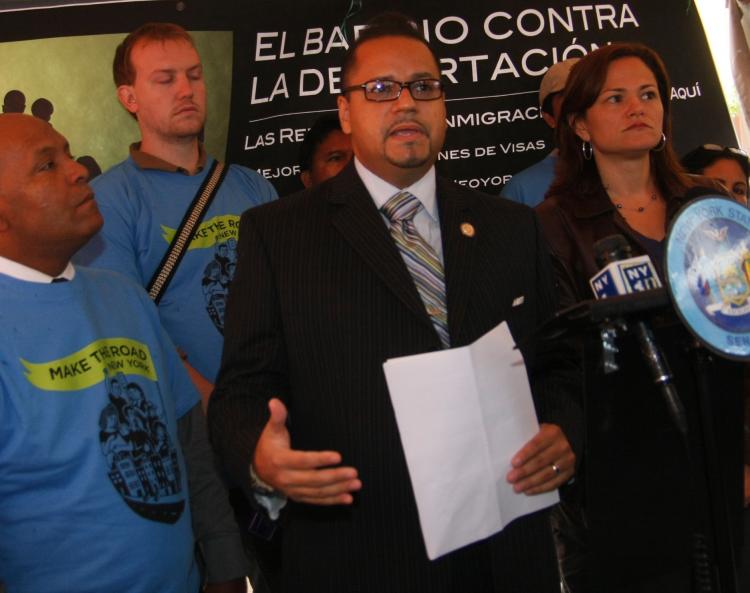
493 56
286 71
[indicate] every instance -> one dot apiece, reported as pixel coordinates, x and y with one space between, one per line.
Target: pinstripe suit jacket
321 298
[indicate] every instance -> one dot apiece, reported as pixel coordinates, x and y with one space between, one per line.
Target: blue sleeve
115 246
180 385
260 189
513 190
185 394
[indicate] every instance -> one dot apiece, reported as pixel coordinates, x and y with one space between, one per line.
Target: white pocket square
518 301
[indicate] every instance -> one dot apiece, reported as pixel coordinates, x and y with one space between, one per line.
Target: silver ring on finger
555 469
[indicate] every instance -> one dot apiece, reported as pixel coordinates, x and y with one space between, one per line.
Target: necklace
639 209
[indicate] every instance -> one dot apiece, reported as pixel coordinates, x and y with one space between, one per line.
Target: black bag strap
177 248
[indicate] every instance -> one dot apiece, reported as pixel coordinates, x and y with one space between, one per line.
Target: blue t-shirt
529 186
93 488
142 209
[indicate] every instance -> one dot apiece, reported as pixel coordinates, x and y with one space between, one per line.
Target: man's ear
579 127
127 98
549 120
305 179
343 104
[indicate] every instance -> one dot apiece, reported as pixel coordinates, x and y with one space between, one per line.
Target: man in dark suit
323 296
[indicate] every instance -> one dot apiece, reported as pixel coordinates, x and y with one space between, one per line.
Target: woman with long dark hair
617 174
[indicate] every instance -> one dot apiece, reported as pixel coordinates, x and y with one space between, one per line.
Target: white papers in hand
462 415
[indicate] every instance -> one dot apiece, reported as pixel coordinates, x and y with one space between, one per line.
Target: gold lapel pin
467 229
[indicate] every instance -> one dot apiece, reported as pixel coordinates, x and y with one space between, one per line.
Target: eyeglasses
427 89
719 148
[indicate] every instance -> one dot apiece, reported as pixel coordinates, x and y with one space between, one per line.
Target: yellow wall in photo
75 74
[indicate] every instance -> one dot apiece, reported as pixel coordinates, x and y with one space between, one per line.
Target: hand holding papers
462 415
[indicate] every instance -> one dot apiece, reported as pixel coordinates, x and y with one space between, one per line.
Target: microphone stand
662 376
723 541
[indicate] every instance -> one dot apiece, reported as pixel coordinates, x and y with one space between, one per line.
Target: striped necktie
420 258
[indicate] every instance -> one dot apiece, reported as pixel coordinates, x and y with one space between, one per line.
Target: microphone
622 274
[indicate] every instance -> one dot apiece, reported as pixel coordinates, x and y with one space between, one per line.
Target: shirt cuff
271 500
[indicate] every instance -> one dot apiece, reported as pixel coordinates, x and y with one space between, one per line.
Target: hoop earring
662 144
587 150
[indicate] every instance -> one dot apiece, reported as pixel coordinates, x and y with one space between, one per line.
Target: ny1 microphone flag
626 276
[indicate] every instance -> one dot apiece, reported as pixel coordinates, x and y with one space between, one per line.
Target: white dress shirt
427 220
20 272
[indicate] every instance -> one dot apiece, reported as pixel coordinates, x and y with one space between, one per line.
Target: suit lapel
354 215
459 229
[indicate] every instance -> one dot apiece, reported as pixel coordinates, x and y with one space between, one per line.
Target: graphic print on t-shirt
141 458
217 277
219 234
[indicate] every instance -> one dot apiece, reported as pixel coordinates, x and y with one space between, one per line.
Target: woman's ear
578 124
